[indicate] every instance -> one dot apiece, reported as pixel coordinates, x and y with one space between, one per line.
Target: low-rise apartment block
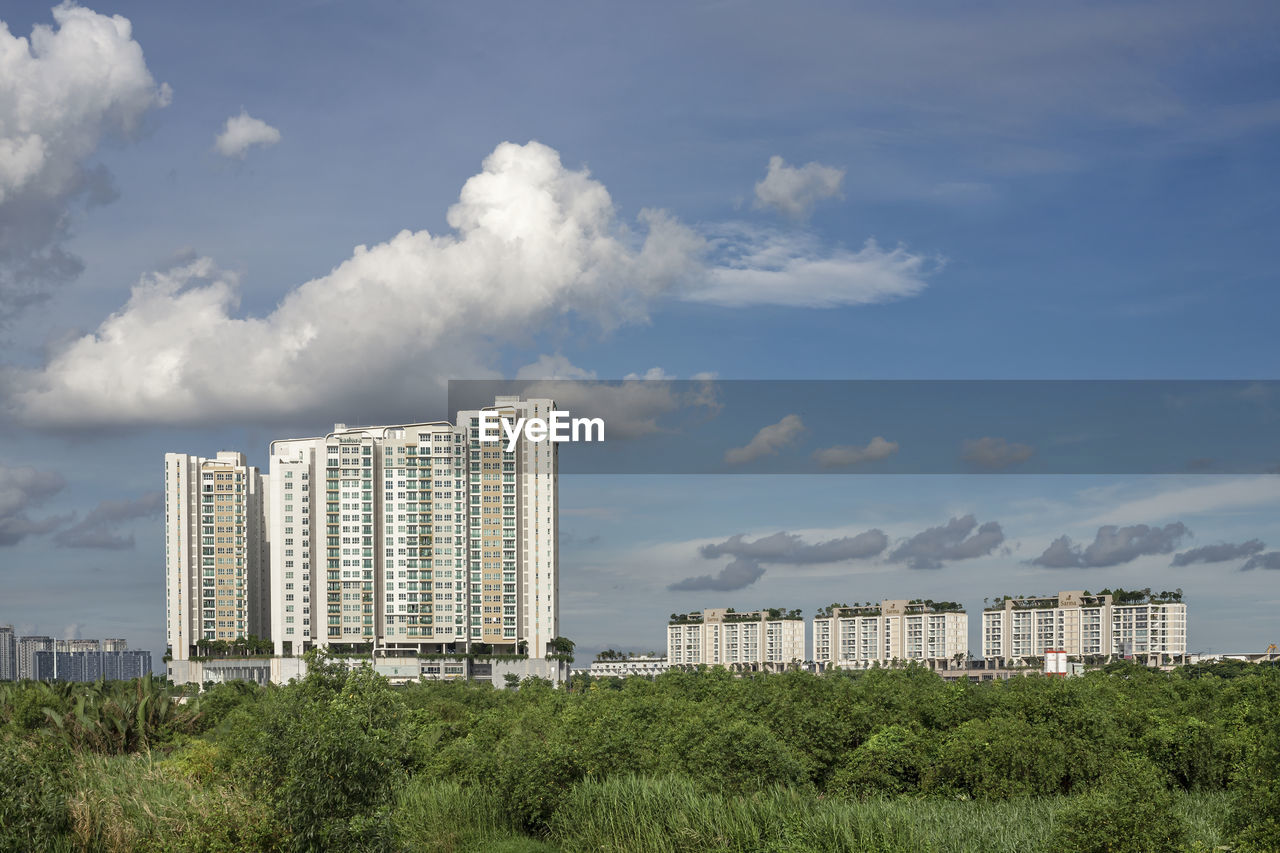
723 637
893 631
626 665
1083 625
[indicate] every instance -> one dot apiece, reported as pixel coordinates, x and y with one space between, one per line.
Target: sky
223 224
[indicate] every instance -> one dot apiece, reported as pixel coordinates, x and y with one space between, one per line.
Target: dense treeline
881 760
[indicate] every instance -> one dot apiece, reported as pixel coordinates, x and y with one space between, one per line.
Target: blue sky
1085 191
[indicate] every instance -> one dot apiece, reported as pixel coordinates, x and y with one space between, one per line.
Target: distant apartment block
78 645
1085 625
895 630
27 648
628 665
216 552
723 637
91 666
415 537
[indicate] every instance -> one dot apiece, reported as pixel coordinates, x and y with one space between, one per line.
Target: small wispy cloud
767 441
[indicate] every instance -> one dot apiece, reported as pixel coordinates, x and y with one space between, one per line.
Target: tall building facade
513 531
1083 625
216 551
891 631
27 648
415 537
8 654
722 637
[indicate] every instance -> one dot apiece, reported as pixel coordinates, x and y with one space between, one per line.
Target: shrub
1130 810
1002 758
889 762
1255 816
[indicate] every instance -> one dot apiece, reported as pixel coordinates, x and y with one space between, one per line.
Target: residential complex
406 538
723 637
894 630
215 551
91 665
1084 625
46 659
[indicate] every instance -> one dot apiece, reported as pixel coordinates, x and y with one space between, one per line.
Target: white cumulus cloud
61 92
531 240
794 190
242 132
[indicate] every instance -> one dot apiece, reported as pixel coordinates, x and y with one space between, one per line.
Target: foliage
1255 815
326 755
33 792
118 717
1129 811
883 759
892 761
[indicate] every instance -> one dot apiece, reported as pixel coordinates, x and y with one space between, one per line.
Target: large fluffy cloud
531 240
958 539
61 92
1265 560
1113 546
242 132
1219 553
781 548
794 190
20 490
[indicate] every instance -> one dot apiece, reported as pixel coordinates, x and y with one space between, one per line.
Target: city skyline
321 214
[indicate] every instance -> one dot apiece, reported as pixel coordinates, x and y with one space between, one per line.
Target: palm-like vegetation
113 718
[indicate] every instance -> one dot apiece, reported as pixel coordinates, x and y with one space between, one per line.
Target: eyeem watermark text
559 426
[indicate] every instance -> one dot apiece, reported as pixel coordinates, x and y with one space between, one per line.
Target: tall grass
449 818
130 803
671 815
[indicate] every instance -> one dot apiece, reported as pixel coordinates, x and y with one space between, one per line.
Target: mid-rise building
216 551
893 631
415 537
27 648
723 637
621 667
1084 625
